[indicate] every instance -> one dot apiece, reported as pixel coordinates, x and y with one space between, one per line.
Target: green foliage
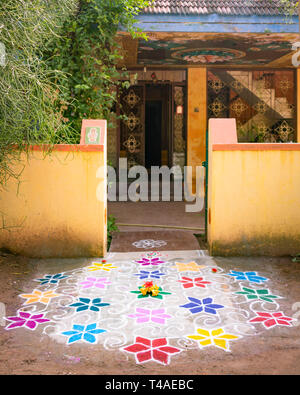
289 7
27 88
88 54
111 227
296 258
60 67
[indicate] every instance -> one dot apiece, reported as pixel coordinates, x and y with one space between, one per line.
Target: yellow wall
298 105
254 201
58 209
197 117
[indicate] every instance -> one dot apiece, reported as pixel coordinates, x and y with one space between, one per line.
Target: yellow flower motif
188 267
215 337
144 291
155 292
101 266
38 296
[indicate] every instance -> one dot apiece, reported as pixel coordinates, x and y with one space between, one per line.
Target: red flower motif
271 319
148 284
193 282
156 350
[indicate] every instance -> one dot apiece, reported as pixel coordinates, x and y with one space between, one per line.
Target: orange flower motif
188 267
38 296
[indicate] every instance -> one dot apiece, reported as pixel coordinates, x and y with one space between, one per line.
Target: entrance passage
157 125
152 127
160 240
153 131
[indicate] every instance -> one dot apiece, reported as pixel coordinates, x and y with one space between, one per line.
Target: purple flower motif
25 319
98 282
144 274
146 315
150 261
205 305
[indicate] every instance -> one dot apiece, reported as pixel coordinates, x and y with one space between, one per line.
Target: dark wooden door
132 126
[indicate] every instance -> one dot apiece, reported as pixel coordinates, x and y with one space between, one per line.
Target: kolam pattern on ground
201 305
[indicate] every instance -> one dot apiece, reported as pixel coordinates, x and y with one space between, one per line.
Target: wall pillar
197 117
298 105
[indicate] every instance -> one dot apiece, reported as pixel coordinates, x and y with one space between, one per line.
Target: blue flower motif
85 333
144 274
89 304
206 305
51 279
248 276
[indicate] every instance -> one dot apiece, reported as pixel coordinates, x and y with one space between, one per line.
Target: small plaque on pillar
93 131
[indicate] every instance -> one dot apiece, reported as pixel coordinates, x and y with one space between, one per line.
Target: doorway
153 133
157 125
146 131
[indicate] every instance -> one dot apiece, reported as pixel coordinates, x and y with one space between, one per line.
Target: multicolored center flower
149 289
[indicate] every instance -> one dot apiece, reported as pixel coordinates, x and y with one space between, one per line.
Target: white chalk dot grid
199 305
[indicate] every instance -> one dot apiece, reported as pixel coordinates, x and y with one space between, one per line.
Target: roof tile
221 7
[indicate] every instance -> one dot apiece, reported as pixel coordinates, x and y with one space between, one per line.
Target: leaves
89 53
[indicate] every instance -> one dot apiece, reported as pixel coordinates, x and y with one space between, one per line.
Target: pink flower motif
271 319
98 282
150 261
156 350
30 321
146 315
193 282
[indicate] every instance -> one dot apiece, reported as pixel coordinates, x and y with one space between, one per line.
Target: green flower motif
159 296
262 294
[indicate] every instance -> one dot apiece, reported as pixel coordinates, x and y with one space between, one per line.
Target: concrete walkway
171 214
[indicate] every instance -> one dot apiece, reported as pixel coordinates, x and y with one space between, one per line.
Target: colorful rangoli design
151 307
